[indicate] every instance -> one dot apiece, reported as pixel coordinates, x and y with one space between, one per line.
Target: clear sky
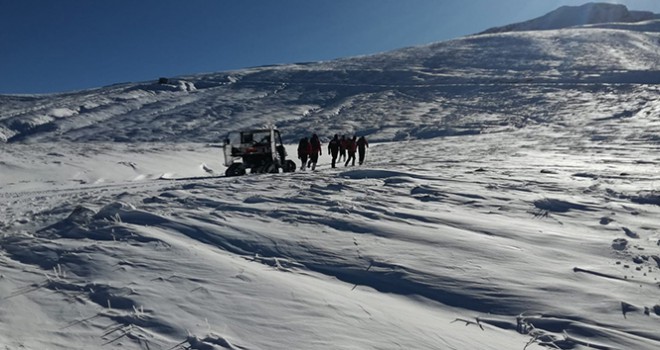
64 45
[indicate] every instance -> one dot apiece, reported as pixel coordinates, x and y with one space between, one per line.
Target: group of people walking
309 150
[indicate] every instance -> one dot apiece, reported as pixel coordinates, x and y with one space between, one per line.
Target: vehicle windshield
260 137
250 138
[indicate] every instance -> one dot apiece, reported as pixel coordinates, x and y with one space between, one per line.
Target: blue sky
63 45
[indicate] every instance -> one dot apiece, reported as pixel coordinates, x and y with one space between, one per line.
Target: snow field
504 233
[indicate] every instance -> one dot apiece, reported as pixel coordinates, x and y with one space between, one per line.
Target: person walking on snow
304 150
316 151
333 148
352 146
343 143
362 146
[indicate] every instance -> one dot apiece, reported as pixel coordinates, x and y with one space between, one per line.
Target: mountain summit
570 16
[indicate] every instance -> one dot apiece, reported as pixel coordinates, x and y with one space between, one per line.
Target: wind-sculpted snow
496 234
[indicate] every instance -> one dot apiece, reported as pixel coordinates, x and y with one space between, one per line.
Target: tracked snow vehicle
260 150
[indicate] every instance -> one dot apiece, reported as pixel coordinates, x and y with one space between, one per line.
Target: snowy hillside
481 83
571 16
534 226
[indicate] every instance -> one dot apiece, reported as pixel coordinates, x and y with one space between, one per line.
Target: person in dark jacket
362 146
343 143
316 151
333 149
304 150
352 146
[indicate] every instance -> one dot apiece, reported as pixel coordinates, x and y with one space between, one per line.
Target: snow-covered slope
571 16
474 84
534 227
500 241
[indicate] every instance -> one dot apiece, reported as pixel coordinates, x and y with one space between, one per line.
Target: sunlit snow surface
475 242
509 201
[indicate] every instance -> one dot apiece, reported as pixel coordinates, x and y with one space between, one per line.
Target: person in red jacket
316 151
352 147
343 144
304 150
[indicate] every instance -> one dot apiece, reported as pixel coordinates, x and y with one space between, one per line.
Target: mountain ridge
571 16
